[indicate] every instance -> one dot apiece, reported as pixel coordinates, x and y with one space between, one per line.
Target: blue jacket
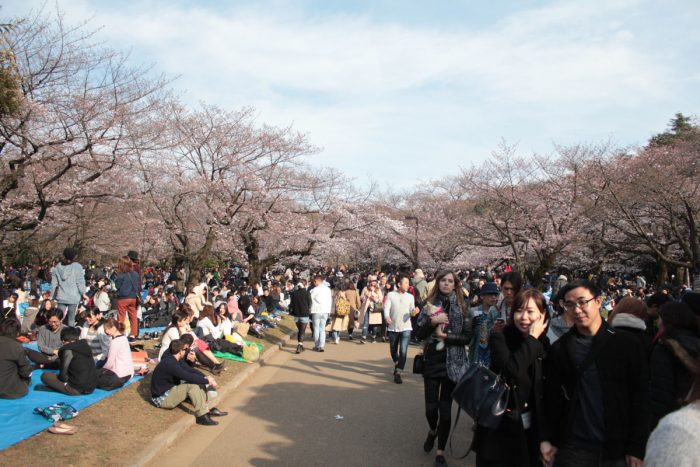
127 284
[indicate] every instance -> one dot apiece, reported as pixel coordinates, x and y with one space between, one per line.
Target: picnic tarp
18 420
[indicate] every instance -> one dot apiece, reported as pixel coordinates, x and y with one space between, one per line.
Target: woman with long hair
119 368
371 300
127 284
517 354
445 326
94 333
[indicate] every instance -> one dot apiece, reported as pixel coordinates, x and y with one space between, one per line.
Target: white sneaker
337 340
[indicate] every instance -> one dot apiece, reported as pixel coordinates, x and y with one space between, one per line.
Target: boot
206 420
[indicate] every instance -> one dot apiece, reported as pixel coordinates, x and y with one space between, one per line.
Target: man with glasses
596 399
48 341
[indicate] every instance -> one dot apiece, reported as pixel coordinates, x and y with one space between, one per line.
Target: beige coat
342 323
366 298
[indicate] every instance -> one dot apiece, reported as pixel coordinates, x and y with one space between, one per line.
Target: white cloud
378 94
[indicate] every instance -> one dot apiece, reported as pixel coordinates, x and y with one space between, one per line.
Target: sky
404 92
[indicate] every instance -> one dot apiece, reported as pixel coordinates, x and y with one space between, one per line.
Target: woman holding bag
445 326
517 354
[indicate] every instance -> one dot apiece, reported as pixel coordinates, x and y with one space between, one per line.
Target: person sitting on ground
48 341
15 367
78 374
179 326
208 323
30 314
225 323
42 316
93 332
119 367
101 299
173 382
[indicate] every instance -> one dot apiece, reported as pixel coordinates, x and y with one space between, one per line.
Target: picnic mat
143 331
18 420
234 357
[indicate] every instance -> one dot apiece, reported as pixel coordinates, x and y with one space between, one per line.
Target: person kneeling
119 367
78 374
174 381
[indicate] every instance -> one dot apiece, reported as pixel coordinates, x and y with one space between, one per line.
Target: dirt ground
113 431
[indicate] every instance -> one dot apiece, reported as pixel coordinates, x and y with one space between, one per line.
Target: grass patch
116 429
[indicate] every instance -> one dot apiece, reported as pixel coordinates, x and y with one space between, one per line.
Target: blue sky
404 91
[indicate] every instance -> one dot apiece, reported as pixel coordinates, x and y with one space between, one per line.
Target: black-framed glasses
582 304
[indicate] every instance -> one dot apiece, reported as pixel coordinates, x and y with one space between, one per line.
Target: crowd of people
594 365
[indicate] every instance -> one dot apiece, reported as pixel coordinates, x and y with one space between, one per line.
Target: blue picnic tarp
18 420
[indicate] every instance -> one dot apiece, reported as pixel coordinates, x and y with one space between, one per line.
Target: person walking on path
68 285
596 390
300 309
398 308
443 365
321 304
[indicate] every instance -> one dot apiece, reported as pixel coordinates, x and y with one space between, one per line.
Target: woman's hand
440 334
538 327
548 452
439 319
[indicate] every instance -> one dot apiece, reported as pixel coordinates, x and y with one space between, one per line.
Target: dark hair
208 312
10 328
188 339
176 346
581 283
401 277
113 323
521 300
70 254
54 312
658 299
515 280
692 299
676 317
179 315
629 306
70 334
244 303
94 311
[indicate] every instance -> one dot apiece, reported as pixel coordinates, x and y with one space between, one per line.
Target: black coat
78 366
624 378
671 379
518 359
15 369
300 303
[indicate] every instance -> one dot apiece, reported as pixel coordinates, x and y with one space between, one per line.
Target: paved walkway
285 415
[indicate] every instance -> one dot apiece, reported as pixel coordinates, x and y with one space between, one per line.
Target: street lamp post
415 239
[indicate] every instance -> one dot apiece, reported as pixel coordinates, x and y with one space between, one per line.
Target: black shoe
363 341
321 349
430 441
350 338
397 378
206 420
300 348
214 412
440 461
216 370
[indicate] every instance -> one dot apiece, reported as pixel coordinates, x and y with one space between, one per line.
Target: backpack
342 306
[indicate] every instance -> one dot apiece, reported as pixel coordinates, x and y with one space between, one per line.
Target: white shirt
208 327
398 307
321 300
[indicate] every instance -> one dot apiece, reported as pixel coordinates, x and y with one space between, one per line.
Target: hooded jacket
671 378
78 366
68 283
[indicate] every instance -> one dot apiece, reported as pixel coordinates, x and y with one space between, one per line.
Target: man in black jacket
78 373
300 308
596 391
173 381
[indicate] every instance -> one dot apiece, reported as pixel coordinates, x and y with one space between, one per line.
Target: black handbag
418 364
483 395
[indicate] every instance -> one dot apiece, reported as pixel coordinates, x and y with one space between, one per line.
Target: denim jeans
398 345
68 313
365 327
319 321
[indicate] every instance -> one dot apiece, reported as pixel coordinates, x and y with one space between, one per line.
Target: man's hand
191 357
212 382
634 461
388 321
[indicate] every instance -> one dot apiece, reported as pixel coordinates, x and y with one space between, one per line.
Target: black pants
438 407
51 380
41 358
301 330
108 380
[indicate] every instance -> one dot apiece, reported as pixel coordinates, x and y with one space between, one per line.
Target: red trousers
128 305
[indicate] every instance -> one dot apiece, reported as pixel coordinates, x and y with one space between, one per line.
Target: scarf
456 362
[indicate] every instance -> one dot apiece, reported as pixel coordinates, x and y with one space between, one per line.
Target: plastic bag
251 353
